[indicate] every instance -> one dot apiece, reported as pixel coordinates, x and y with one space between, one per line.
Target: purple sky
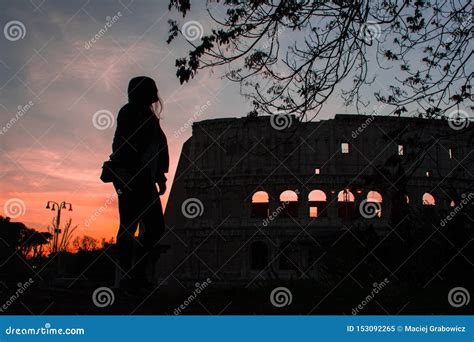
52 150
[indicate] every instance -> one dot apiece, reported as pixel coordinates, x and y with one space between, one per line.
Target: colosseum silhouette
260 198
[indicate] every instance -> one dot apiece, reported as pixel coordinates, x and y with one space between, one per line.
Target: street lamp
53 205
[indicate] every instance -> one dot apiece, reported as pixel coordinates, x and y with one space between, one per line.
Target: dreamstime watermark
22 287
281 122
199 111
458 120
377 110
99 211
363 126
370 31
21 110
274 214
14 30
368 209
46 330
192 208
200 287
376 289
103 119
465 201
103 296
280 297
14 207
277 34
192 30
466 23
458 296
110 21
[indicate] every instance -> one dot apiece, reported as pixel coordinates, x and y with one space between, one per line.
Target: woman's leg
129 213
153 225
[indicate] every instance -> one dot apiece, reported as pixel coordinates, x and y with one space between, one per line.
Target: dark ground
422 263
212 301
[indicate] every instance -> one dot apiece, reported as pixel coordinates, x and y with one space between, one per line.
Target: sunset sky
52 150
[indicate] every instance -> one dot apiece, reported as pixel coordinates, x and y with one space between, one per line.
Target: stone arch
376 197
317 202
428 199
260 204
346 204
289 203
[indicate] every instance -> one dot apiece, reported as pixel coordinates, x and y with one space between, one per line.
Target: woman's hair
142 90
155 105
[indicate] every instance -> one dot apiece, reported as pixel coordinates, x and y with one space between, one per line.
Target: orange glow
374 196
317 196
428 199
345 196
288 196
260 197
94 205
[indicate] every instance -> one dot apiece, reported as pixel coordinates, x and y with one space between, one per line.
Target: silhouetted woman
140 152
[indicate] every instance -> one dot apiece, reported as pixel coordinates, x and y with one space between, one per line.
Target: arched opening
345 205
289 203
407 199
452 204
317 201
258 255
375 197
428 199
260 204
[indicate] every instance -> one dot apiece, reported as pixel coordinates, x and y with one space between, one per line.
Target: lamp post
53 206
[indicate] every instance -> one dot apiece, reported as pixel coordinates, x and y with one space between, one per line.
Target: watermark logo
369 210
200 287
199 111
458 296
465 25
110 21
274 214
47 329
376 110
362 127
21 110
192 30
458 120
14 207
273 37
102 297
22 287
281 122
14 30
376 288
370 31
103 119
108 202
280 297
192 208
465 201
